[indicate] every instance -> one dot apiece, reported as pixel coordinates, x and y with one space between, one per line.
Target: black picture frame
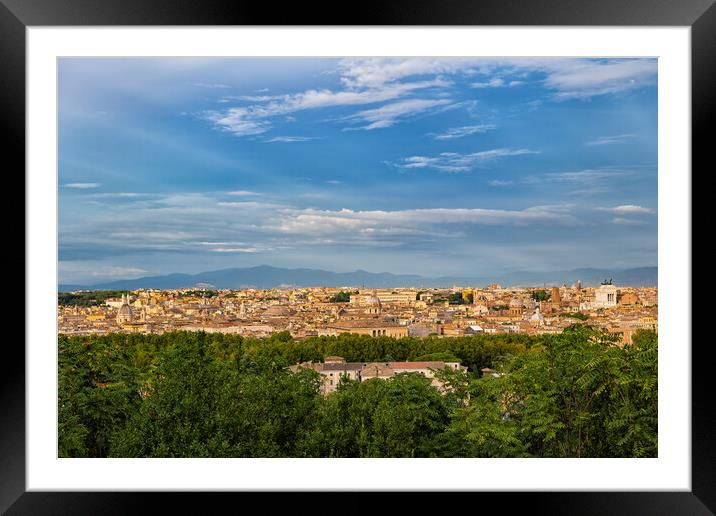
16 15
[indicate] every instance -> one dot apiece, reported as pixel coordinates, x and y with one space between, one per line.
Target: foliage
575 315
398 417
193 394
90 298
341 297
443 356
541 295
200 293
457 298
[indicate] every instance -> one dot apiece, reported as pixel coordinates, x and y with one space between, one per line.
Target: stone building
605 296
334 368
516 308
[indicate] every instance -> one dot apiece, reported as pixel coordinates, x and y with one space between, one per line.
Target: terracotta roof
417 365
375 369
365 323
346 366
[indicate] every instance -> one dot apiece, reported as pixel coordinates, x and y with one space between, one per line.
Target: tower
555 298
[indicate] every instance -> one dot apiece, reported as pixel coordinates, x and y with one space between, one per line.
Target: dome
124 314
373 301
125 310
276 311
515 302
373 306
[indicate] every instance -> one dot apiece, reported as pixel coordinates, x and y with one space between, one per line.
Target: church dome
515 302
277 311
124 314
373 306
373 301
125 310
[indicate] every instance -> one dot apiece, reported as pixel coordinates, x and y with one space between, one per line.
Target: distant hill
270 277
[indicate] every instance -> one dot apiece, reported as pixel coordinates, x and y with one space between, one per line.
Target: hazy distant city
310 312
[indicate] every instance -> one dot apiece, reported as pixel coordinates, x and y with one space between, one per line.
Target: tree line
193 394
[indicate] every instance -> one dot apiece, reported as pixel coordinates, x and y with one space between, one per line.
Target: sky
430 166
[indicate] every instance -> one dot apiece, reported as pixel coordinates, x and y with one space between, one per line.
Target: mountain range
265 277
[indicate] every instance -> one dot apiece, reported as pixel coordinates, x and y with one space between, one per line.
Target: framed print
417 250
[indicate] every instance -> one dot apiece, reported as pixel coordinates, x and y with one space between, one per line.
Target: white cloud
456 162
255 119
581 176
241 249
376 72
627 209
627 222
608 140
322 222
492 83
587 78
497 182
289 139
249 98
237 121
379 80
202 223
243 193
117 272
460 132
571 78
390 114
82 186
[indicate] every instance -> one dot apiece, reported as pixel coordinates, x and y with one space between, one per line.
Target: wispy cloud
609 140
456 162
570 78
496 82
585 78
627 209
460 132
492 83
290 139
390 114
118 272
497 182
243 193
381 80
82 186
256 118
324 221
254 249
581 176
627 222
249 98
211 86
202 223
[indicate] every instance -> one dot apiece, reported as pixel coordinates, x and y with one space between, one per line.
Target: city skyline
417 165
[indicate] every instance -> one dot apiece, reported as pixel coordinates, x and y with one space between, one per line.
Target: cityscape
310 312
511 204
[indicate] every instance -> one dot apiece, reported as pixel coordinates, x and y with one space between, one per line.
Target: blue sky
415 165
